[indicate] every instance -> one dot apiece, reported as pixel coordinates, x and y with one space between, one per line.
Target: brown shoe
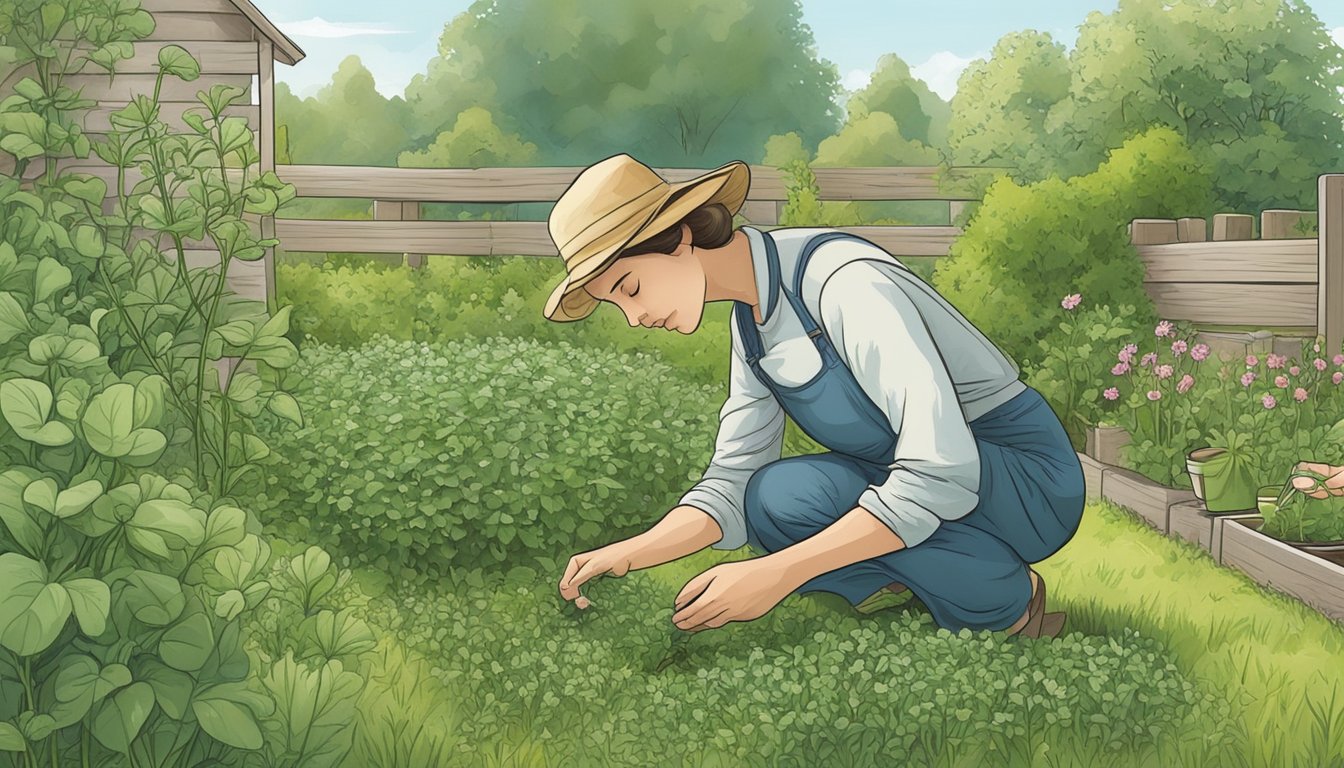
1039 623
896 588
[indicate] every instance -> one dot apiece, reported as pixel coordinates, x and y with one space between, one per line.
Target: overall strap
800 266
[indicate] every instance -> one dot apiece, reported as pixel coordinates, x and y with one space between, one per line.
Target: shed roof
285 49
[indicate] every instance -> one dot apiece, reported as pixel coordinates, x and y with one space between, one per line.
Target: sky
395 39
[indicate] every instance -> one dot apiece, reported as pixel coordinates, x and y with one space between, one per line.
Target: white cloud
1338 34
320 27
942 69
856 79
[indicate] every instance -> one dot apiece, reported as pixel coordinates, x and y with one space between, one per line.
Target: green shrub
1027 246
618 684
124 594
434 456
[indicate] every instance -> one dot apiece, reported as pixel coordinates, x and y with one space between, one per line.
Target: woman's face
655 290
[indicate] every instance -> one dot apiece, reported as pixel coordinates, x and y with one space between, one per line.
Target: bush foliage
429 457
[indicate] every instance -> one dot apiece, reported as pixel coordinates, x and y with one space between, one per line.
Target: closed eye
632 293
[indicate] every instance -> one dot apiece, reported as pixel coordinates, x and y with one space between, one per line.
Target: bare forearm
855 537
682 531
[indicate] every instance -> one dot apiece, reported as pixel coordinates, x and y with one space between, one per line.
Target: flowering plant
1070 373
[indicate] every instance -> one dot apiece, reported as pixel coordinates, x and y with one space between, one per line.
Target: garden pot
1267 498
1224 485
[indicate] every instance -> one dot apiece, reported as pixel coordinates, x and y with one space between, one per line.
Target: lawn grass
1275 664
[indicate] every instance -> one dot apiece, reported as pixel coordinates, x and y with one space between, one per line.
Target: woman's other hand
1333 483
738 591
613 559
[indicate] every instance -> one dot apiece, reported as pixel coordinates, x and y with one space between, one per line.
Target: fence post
394 210
1279 224
1153 232
1232 226
1330 259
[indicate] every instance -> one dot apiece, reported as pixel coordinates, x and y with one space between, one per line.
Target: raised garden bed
1311 579
1230 538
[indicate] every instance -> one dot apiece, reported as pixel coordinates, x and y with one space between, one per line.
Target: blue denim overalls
972 571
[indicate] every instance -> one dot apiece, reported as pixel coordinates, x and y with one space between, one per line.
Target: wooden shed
235 44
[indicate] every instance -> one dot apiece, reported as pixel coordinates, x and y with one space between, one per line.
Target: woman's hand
1333 483
613 559
738 591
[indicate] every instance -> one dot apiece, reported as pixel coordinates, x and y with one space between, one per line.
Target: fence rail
1287 278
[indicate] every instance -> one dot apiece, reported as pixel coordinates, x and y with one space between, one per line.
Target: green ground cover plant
423 458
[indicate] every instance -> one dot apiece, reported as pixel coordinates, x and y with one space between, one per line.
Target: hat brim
728 184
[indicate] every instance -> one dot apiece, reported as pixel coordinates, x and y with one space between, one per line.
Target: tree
999 111
693 83
1027 246
474 142
921 114
347 119
1252 86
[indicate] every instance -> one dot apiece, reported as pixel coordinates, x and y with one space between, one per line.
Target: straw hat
616 203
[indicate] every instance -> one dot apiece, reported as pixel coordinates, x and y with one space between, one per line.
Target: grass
1277 665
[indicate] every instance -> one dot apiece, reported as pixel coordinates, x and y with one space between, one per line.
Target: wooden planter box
1092 470
1192 522
1150 501
1316 582
1104 443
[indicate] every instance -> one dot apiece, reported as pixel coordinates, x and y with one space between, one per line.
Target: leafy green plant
1073 369
125 593
1299 517
421 458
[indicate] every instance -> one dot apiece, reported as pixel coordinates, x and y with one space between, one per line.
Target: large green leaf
11 740
13 318
186 645
109 426
172 689
175 60
50 277
25 530
81 683
32 611
228 721
225 527
92 601
153 598
181 525
284 405
26 404
118 720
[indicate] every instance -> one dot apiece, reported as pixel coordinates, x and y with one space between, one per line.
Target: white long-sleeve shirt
926 367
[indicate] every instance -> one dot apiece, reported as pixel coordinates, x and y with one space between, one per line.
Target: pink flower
1339 359
1111 393
1120 368
1269 401
1247 378
1153 394
1299 394
1294 370
1281 381
1319 364
1316 347
1163 328
1187 381
1071 300
1275 361
1164 371
1252 360
1148 359
1126 355
1199 352
1178 346
1338 377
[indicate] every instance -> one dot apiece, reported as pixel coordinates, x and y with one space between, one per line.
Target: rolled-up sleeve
881 336
751 435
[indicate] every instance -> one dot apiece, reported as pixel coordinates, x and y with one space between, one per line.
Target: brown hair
711 227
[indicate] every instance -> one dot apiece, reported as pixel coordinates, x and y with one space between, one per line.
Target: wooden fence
1286 278
399 192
